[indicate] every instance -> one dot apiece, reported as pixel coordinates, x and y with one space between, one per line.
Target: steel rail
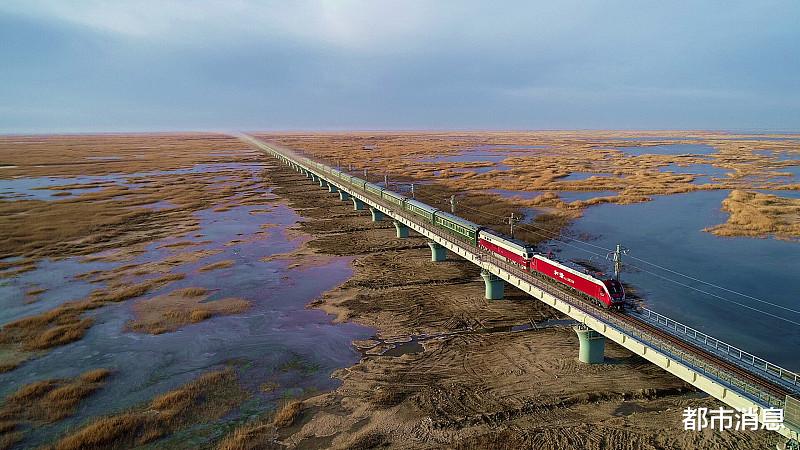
764 390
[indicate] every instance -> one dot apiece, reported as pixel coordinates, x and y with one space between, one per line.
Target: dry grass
365 441
45 401
7 440
11 357
91 222
288 414
112 224
634 178
95 376
259 435
209 397
34 292
66 324
171 311
218 265
756 214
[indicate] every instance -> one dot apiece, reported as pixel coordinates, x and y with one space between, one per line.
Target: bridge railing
658 343
760 364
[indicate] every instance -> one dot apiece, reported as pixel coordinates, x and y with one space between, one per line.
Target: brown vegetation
171 311
288 414
45 401
207 398
117 215
113 224
402 156
218 265
476 384
35 291
756 214
65 324
258 435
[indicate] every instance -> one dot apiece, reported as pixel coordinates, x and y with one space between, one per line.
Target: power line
555 236
723 298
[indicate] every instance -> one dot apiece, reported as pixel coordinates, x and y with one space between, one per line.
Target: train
593 287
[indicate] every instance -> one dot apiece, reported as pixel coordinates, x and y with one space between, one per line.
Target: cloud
413 63
349 24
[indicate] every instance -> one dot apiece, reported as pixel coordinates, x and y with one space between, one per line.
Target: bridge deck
728 374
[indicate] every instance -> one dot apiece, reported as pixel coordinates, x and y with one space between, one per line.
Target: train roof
506 238
357 180
368 185
420 205
393 194
458 220
575 269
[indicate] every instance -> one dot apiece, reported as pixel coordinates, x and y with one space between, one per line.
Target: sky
157 65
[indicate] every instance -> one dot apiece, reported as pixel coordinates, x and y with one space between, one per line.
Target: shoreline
473 383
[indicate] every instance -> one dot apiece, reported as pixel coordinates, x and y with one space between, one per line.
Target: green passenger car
420 209
393 197
373 189
358 182
458 227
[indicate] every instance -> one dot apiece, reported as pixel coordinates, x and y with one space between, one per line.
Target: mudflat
444 368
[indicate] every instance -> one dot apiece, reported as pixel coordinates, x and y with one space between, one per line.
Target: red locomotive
606 292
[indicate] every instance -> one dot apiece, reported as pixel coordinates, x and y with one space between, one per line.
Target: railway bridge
733 376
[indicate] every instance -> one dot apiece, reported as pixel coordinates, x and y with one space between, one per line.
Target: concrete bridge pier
358 205
495 286
592 345
323 183
438 252
402 229
377 214
332 188
344 196
313 177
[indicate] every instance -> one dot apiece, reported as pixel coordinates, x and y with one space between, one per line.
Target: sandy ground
468 382
454 374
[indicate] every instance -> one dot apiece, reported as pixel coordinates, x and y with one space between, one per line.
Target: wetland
189 292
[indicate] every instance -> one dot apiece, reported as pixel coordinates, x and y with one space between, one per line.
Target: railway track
777 390
761 388
656 334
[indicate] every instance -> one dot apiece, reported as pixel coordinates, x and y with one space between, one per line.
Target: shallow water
488 153
58 277
777 155
787 194
571 196
277 340
36 188
668 231
500 167
580 176
706 171
669 149
793 177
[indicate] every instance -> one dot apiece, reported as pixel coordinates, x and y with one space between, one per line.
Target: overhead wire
558 237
